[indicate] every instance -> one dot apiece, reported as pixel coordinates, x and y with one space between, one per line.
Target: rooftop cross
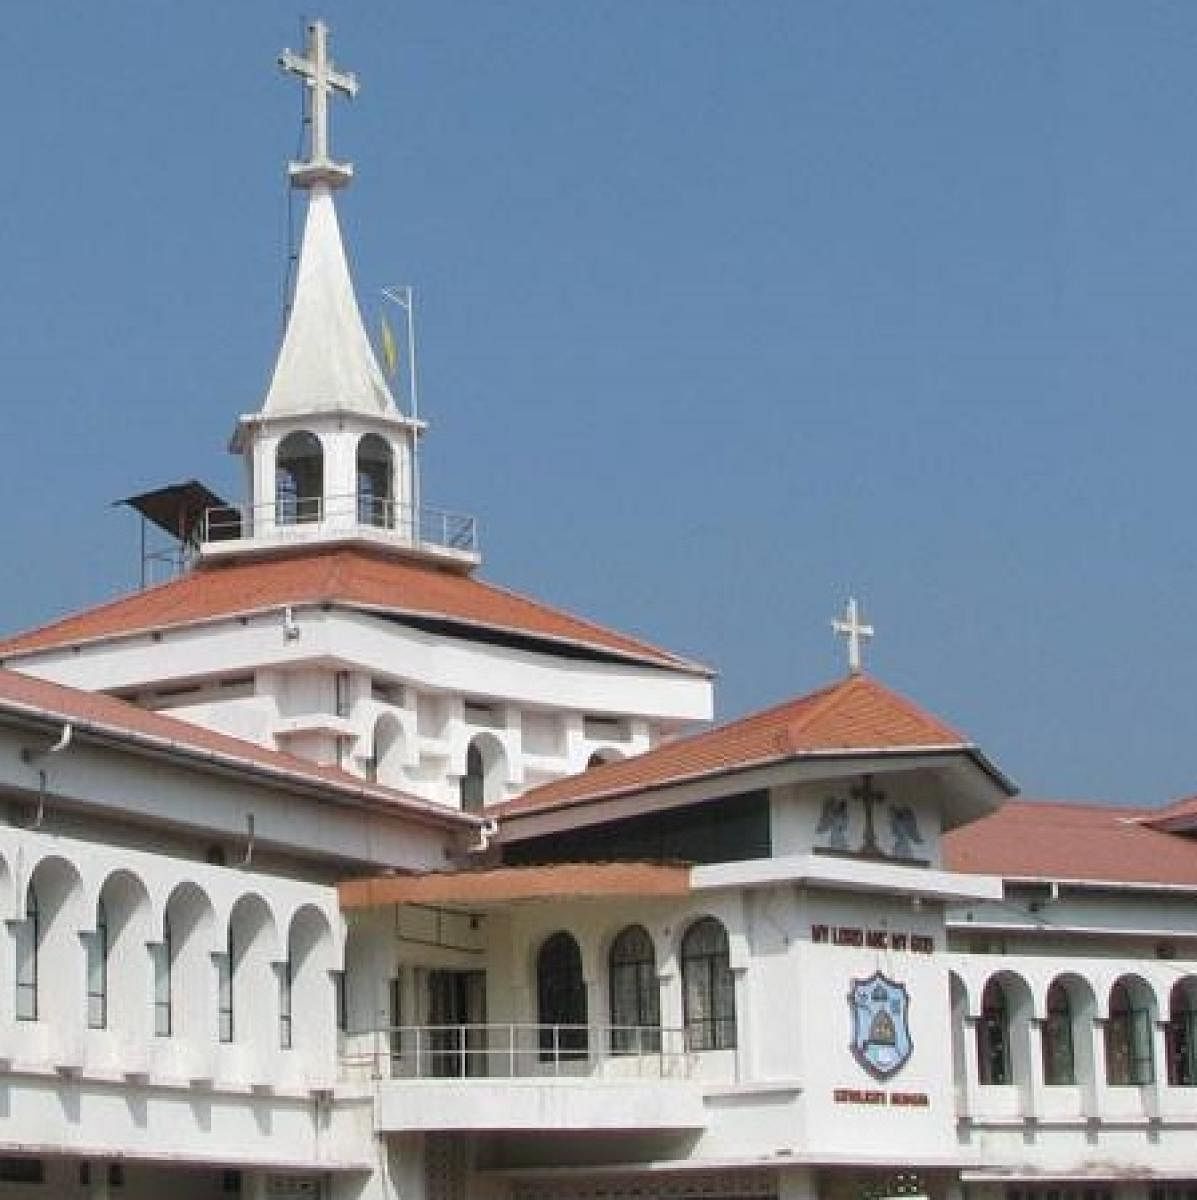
854 632
322 79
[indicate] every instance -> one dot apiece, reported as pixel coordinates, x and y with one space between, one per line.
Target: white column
1032 1083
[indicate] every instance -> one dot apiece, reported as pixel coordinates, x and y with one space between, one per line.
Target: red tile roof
500 884
1028 839
856 714
1179 815
96 712
350 577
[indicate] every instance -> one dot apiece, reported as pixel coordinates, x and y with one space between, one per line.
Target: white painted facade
407 1050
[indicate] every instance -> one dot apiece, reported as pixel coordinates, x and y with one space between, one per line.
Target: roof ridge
832 697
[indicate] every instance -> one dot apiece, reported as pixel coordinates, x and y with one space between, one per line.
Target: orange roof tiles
105 714
1179 815
856 714
1053 841
575 880
350 577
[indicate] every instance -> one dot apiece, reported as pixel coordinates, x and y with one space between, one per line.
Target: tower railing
299 517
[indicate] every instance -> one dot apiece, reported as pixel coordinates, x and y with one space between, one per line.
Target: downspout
30 756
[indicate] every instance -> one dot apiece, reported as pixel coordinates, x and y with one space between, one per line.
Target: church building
332 870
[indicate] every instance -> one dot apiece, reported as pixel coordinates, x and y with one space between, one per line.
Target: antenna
404 296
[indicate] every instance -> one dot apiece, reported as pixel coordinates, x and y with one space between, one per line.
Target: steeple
326 362
329 456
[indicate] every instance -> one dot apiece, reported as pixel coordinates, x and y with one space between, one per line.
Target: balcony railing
515 1051
299 516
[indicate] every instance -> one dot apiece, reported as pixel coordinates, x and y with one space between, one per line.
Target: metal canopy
178 510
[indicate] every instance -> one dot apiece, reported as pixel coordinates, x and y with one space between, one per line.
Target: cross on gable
855 632
869 797
322 79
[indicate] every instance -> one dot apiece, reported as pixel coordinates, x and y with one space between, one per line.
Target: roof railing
297 517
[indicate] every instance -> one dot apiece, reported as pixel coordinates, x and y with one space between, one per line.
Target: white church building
332 870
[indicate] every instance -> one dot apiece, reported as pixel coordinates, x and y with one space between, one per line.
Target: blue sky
727 310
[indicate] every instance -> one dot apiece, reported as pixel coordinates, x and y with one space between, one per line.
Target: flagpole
410 306
404 297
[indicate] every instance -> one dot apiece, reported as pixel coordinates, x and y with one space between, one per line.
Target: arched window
97 971
708 987
635 993
561 999
993 1036
225 966
375 482
473 782
1180 1036
1128 1039
299 479
28 943
1059 1064
163 964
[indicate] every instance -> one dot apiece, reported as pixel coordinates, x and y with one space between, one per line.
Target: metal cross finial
855 632
322 79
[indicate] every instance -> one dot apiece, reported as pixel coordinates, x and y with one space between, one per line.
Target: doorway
457 1014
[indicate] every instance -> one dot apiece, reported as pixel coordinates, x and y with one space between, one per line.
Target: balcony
451 538
528 1077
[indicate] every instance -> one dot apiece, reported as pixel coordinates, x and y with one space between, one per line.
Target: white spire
326 363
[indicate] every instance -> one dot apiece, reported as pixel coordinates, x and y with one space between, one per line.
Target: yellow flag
390 348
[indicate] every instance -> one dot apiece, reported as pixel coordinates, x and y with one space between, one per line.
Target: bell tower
330 457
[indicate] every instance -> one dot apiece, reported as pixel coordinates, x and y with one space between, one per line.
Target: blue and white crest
880 1024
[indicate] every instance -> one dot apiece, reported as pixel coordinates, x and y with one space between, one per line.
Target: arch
118 966
1180 1034
561 998
306 984
47 944
634 993
1130 1059
1059 1058
1003 1029
485 771
708 986
182 990
375 482
1068 1007
386 754
247 977
299 479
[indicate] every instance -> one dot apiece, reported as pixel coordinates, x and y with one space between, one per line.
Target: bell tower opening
375 482
299 479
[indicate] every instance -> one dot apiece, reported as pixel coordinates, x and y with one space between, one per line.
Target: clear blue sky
727 309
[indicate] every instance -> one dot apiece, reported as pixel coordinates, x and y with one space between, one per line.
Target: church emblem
880 1025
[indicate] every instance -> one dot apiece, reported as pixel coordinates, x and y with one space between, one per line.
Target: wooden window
1128 1040
708 987
561 999
1059 1064
635 993
993 1036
